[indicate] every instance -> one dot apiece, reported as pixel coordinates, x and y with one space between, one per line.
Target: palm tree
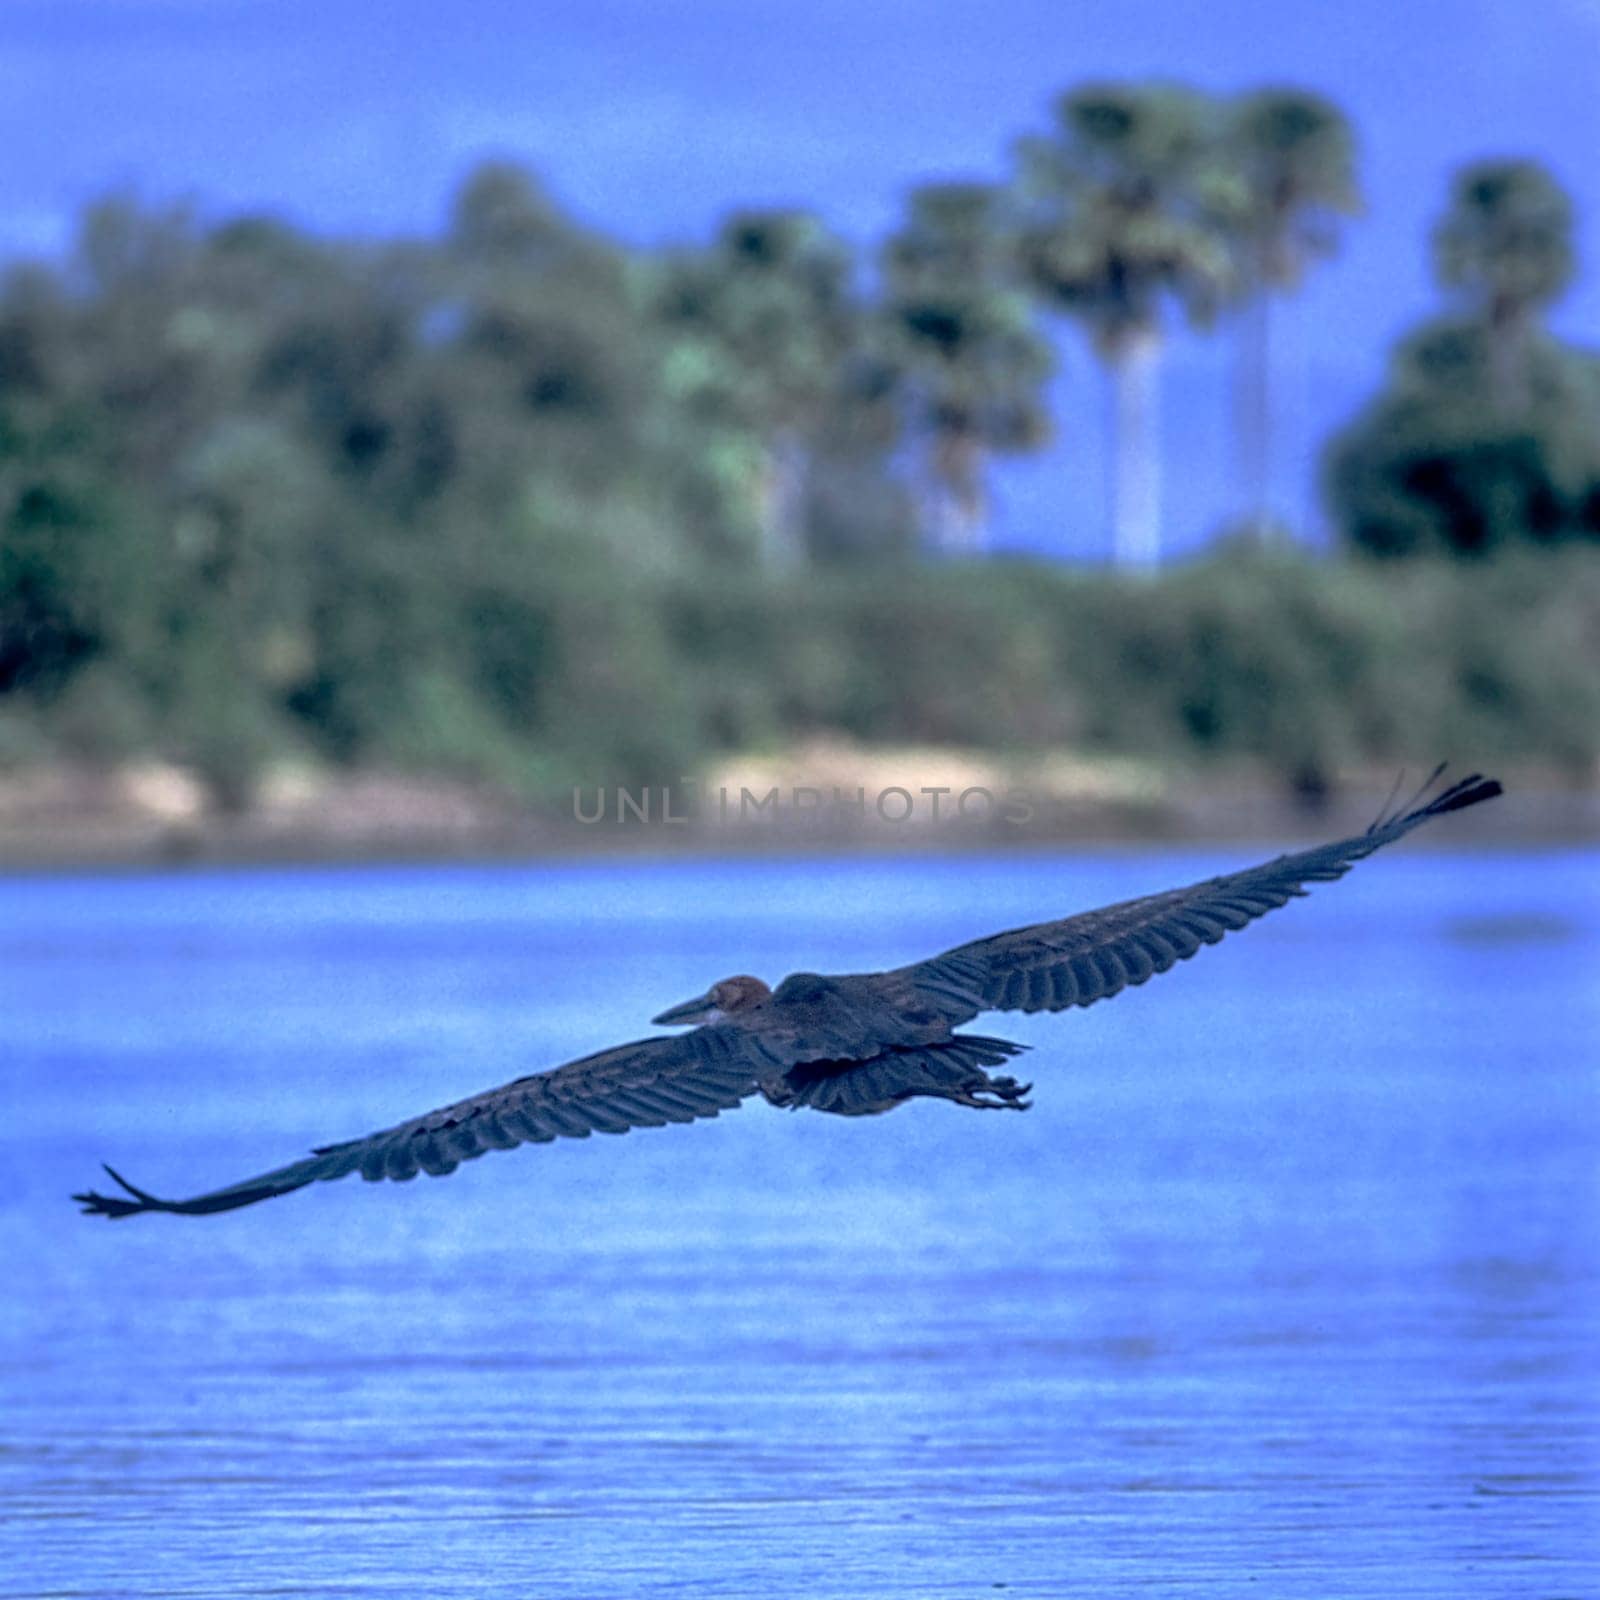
1120 225
960 341
502 215
1293 156
1505 247
762 322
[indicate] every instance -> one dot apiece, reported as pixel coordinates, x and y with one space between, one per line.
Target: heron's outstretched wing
1095 955
673 1078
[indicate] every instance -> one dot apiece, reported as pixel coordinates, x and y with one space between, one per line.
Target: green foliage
1292 154
769 307
1504 251
961 346
263 494
761 330
51 595
1121 210
522 504
1296 666
1505 244
1437 466
1488 433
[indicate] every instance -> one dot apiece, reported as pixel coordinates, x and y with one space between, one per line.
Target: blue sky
649 118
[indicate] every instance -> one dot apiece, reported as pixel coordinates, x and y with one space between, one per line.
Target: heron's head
724 999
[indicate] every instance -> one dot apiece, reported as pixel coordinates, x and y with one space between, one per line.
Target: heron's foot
996 1094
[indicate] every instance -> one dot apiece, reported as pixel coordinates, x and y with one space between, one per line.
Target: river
1289 1284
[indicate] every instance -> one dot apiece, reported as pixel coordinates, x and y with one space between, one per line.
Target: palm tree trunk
1135 453
780 495
1253 419
961 507
1507 336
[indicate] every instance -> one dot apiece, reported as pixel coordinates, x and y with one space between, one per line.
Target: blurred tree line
521 502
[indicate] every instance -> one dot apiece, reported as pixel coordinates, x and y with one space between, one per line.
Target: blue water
1289 1285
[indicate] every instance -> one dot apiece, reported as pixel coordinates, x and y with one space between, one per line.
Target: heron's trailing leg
995 1094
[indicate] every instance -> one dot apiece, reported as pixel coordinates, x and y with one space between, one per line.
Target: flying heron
853 1045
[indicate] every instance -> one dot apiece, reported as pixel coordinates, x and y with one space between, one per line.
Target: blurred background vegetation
527 506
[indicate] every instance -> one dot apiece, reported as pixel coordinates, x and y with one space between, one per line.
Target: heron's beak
697 1010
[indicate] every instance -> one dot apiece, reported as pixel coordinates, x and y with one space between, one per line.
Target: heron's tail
951 1070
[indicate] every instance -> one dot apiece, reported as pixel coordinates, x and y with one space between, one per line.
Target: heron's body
851 1045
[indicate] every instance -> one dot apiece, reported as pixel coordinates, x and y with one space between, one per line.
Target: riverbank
827 797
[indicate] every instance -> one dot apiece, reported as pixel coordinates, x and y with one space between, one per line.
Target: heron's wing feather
1097 954
647 1084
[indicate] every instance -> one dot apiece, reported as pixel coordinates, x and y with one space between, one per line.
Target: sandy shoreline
149 816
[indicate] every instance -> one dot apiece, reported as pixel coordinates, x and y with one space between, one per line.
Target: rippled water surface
1289 1285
